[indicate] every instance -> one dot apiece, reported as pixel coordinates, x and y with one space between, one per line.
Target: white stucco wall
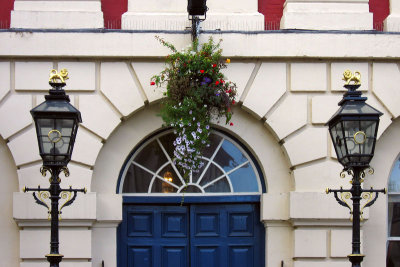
9 232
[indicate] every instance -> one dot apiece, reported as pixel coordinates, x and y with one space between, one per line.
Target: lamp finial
58 77
348 77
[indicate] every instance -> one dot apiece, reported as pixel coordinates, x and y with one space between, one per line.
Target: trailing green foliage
196 92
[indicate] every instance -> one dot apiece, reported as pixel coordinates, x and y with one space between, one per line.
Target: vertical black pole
356 257
54 257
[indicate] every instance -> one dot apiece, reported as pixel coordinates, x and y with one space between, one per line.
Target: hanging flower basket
196 93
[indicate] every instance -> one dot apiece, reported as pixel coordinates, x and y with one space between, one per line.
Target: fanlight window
393 256
227 169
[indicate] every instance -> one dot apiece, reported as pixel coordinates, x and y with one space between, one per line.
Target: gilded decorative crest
58 77
348 77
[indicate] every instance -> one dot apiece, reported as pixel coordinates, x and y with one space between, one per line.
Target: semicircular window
227 169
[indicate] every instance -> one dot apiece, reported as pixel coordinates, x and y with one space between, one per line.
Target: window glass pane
393 255
160 186
197 175
151 157
214 142
219 186
240 179
212 173
167 173
394 217
139 185
229 156
394 181
167 142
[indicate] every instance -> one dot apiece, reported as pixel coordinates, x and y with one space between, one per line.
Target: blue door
196 235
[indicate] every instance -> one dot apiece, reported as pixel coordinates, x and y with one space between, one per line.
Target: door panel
231 231
206 235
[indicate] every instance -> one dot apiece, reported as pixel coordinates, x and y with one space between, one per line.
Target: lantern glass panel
338 140
55 138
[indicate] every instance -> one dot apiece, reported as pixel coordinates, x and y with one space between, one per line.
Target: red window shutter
5 13
112 12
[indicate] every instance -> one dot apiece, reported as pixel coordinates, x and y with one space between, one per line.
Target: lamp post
196 9
56 122
353 129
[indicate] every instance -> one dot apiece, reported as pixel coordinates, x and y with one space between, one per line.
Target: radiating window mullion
169 159
237 167
209 161
155 175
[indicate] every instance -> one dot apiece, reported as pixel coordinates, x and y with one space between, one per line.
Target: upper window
227 169
393 255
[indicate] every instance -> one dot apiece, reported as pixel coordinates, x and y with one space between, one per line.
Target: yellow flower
228 60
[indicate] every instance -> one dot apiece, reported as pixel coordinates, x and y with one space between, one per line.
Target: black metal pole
356 257
54 258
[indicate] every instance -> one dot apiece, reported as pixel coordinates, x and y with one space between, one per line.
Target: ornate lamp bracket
43 196
367 196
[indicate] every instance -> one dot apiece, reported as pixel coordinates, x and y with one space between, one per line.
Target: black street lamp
353 129
56 122
196 9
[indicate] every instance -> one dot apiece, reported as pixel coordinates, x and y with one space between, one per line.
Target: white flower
199 130
194 118
208 127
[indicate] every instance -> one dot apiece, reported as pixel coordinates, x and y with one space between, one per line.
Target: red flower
214 65
231 124
233 102
201 71
152 83
217 82
222 81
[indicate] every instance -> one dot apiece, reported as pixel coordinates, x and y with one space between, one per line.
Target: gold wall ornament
56 76
348 77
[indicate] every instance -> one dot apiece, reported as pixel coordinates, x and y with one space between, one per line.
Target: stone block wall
289 96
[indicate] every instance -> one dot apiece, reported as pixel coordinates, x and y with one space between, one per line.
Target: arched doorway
217 223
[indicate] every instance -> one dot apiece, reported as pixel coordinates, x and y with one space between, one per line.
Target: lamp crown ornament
58 77
349 77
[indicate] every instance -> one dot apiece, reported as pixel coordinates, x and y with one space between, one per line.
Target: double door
196 235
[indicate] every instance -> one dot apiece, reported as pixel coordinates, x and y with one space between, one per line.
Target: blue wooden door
196 235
